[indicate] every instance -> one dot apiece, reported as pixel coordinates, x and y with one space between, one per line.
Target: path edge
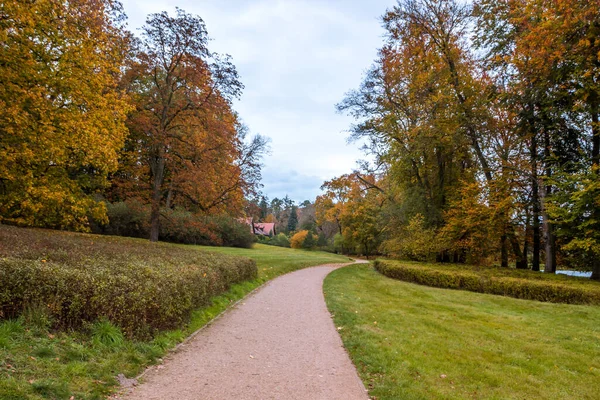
121 389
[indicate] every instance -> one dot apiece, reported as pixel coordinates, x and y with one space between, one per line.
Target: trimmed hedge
520 284
141 287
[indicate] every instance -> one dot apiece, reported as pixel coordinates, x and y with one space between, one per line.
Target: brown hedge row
139 286
527 285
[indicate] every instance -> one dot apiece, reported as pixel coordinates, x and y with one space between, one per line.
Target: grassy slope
416 342
37 364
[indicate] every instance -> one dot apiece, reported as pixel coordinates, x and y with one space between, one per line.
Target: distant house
264 228
260 228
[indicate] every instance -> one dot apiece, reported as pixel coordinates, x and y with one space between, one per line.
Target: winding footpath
278 343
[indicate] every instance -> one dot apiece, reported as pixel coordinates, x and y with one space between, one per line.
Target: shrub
176 226
281 240
520 284
416 242
338 243
127 219
309 241
297 240
233 233
138 286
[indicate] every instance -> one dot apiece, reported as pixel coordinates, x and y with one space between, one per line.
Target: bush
416 242
126 219
280 240
138 286
176 226
309 241
338 243
521 284
297 240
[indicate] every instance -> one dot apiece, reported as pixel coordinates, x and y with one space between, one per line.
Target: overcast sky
296 59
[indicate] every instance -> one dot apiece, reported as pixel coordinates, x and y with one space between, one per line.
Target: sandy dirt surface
279 343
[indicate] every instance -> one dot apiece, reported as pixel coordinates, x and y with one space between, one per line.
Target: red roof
264 228
259 228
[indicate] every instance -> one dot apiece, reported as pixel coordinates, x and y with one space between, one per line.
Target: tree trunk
503 251
526 241
596 269
550 249
526 246
521 262
169 202
550 266
158 172
535 200
595 130
595 162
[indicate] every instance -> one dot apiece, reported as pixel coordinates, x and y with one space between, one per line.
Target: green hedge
139 286
506 282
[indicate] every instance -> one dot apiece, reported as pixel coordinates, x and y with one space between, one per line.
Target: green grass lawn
273 261
416 342
38 363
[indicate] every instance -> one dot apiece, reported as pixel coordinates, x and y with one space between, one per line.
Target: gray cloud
296 58
299 187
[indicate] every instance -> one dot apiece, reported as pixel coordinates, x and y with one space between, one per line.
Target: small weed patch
106 334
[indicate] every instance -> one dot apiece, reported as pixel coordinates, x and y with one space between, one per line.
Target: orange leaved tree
187 145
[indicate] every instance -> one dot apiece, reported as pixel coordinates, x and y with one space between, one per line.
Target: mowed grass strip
38 362
416 342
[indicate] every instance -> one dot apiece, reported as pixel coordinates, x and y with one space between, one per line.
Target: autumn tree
62 117
297 241
307 218
351 202
187 146
425 111
545 55
330 206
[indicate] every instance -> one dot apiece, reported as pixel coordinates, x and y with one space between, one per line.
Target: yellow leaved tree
62 119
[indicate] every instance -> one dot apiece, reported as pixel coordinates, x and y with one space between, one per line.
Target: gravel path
279 343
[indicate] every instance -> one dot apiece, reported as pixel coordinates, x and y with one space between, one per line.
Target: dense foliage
483 120
75 279
62 116
297 241
177 226
89 111
520 284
